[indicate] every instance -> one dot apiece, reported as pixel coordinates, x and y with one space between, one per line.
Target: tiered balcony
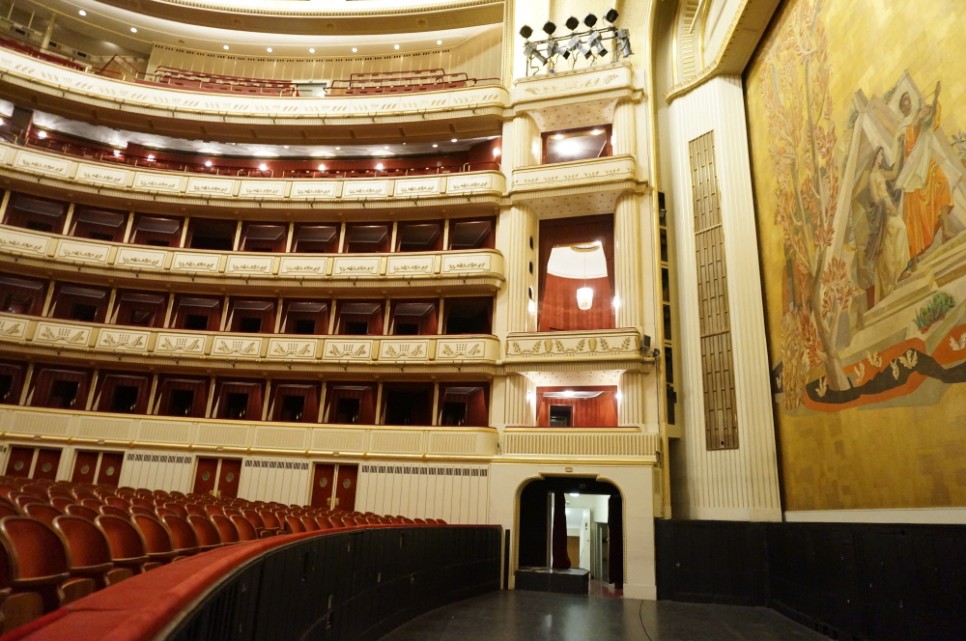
609 348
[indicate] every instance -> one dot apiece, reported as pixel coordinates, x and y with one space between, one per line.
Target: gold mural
859 159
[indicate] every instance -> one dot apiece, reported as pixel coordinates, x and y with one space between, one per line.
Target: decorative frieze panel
464 348
237 347
564 87
81 251
158 181
316 190
180 344
360 189
404 350
411 265
261 189
11 328
123 339
139 258
287 349
356 266
53 333
303 266
347 350
46 164
87 172
24 242
565 347
248 264
196 262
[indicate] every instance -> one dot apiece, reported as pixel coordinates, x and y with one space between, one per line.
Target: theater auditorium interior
319 315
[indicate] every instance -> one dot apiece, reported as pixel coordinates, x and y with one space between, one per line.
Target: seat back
246 529
293 524
205 531
113 510
123 538
309 523
227 531
82 511
183 537
42 512
35 549
270 519
157 539
85 541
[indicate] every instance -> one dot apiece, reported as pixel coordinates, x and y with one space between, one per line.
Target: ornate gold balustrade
420 354
479 269
41 425
551 182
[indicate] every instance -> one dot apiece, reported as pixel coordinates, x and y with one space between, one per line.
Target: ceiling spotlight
208 163
268 49
380 166
311 49
531 51
549 28
526 31
611 16
225 47
572 23
82 13
262 167
134 29
590 20
396 47
435 145
454 140
623 39
321 167
355 50
439 42
41 134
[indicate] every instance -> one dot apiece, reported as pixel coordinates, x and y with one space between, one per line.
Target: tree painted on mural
817 287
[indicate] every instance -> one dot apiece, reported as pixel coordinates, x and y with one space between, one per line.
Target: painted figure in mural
886 251
926 198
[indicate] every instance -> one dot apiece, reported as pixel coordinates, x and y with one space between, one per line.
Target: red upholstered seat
125 541
157 539
227 531
205 531
90 554
183 537
42 512
82 511
246 529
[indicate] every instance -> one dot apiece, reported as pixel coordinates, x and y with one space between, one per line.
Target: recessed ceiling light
385 146
268 49
225 47
311 49
321 167
134 29
82 13
396 47
453 140
355 50
208 163
439 42
338 148
41 134
263 167
435 145
379 166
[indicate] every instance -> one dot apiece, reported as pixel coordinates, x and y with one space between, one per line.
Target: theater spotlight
532 51
590 20
611 16
549 28
572 23
526 32
622 38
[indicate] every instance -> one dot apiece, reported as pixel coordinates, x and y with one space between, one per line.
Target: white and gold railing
575 445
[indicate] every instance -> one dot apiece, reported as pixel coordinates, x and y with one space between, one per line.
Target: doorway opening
571 536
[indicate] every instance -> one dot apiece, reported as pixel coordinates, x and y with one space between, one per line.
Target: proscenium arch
530 520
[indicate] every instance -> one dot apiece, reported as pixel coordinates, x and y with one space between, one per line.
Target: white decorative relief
410 265
123 340
304 190
222 187
325 439
361 266
403 350
367 189
573 83
261 189
248 264
460 349
137 258
567 346
12 328
280 438
237 347
102 175
157 181
347 350
43 163
415 188
221 434
488 182
571 174
293 266
72 335
77 250
180 344
466 263
192 262
24 242
282 348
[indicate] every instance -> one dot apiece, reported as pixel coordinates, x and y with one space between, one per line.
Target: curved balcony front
610 349
477 271
147 186
107 344
368 442
467 112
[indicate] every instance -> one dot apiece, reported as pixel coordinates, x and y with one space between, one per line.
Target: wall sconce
585 298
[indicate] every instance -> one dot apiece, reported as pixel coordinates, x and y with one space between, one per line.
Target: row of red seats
60 541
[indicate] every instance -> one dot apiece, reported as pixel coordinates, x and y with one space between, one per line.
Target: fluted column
624 132
632 408
517 226
519 408
629 255
525 143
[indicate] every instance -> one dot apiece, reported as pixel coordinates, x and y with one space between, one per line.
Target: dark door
20 461
47 461
228 477
205 475
345 491
110 469
323 480
84 467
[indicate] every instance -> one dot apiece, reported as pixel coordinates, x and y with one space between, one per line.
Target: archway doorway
573 522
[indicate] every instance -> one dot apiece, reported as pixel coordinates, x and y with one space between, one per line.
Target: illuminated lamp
585 298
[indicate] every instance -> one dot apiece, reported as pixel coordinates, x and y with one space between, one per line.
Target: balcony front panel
59 89
546 181
332 273
527 350
30 165
572 445
563 88
211 435
207 349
